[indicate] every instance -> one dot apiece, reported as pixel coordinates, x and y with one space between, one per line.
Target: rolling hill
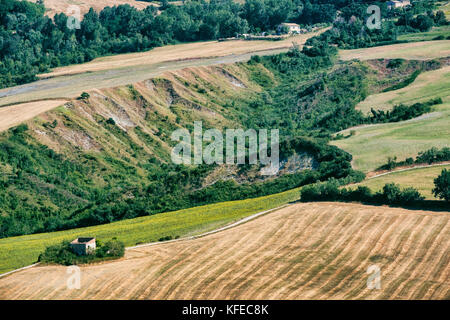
421 179
371 145
304 251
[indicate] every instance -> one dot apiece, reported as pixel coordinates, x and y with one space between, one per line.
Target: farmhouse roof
290 24
83 240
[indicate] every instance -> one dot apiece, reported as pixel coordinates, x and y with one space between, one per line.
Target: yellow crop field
16 252
304 251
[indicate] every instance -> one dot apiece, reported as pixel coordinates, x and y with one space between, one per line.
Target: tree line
32 43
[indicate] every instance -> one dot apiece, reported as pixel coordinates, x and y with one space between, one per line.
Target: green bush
62 253
430 156
391 194
111 121
442 185
84 96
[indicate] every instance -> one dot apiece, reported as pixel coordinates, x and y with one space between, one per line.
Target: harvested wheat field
184 51
13 115
423 50
63 6
304 251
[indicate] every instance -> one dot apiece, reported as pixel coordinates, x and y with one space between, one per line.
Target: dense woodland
31 43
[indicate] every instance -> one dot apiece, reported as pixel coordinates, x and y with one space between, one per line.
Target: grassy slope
414 50
420 178
427 86
372 145
426 36
16 252
445 6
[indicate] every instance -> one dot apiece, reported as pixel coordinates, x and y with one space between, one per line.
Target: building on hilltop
398 4
290 27
83 246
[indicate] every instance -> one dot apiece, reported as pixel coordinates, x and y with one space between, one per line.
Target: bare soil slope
304 251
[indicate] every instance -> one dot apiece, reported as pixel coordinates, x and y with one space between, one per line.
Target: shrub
84 96
391 194
254 60
362 193
430 156
442 185
409 196
62 253
112 248
395 63
111 121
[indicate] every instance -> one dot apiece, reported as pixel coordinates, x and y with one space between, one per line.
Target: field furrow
303 251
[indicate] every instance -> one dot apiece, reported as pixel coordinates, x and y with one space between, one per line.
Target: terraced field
304 251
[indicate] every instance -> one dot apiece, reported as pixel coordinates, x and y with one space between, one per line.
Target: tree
440 19
442 185
422 22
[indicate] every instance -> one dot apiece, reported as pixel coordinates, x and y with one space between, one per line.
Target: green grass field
426 36
16 252
421 178
445 6
428 85
373 144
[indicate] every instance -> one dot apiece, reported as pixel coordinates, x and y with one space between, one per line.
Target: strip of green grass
16 252
421 178
443 31
372 145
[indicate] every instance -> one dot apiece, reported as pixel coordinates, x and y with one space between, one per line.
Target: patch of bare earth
64 6
304 251
14 115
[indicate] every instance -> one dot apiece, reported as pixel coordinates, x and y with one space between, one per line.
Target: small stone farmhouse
291 27
398 4
83 246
